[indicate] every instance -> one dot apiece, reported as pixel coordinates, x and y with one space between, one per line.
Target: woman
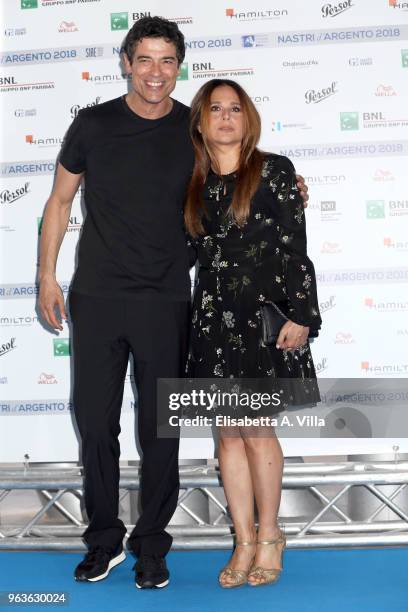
245 218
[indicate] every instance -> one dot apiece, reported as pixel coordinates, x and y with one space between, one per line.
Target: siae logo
314 96
332 10
61 347
119 21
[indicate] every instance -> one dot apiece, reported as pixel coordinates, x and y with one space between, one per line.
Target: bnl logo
61 347
248 41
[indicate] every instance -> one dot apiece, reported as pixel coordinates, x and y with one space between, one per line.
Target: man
130 292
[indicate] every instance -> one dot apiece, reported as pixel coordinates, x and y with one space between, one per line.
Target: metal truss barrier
314 531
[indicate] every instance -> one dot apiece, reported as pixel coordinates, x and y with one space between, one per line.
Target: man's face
154 69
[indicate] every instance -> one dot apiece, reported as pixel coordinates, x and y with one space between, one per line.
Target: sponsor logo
25 112
378 120
330 248
313 96
332 10
397 245
76 107
95 52
348 121
329 212
183 76
8 197
10 83
178 20
380 369
202 70
325 179
29 4
360 61
404 58
402 6
397 208
15 32
321 365
279 126
255 15
3 380
18 321
61 347
49 141
375 209
67 26
140 15
301 64
47 379
62 2
383 176
7 347
260 99
385 91
389 306
344 338
328 304
249 41
119 21
74 225
104 79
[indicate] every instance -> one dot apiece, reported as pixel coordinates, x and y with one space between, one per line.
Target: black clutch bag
274 316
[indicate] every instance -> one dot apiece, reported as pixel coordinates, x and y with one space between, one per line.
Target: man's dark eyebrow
166 57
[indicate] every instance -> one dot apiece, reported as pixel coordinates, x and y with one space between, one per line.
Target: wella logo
385 91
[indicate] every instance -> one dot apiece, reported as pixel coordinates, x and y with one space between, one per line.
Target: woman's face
226 119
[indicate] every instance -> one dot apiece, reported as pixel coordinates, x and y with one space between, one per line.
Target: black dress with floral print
239 268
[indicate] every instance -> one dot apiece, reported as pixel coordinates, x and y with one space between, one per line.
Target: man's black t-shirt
137 171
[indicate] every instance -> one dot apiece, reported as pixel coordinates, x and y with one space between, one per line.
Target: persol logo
8 197
7 347
332 10
314 96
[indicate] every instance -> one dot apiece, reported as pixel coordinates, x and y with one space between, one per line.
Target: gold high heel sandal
239 577
268 576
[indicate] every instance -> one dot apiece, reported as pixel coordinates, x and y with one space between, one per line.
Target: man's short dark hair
154 27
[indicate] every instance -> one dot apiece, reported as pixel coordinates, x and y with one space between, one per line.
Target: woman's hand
303 189
292 336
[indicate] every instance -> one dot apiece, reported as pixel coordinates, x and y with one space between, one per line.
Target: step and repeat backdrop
330 81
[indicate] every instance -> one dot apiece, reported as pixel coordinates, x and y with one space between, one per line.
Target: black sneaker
151 572
98 563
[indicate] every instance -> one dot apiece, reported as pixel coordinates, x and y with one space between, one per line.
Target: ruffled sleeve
290 226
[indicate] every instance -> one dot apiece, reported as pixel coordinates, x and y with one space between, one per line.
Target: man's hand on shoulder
303 188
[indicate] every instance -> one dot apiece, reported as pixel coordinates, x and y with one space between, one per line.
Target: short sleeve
72 155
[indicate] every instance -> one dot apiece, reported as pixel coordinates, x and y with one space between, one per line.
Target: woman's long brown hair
249 165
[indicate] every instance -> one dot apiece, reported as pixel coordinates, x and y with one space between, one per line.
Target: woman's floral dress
239 268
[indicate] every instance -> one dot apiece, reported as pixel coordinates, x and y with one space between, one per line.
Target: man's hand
51 299
303 188
292 336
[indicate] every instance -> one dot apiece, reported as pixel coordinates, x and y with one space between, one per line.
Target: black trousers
105 331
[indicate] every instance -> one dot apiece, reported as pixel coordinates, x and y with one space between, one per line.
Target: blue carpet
312 580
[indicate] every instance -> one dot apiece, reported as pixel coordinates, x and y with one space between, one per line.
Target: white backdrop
330 82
